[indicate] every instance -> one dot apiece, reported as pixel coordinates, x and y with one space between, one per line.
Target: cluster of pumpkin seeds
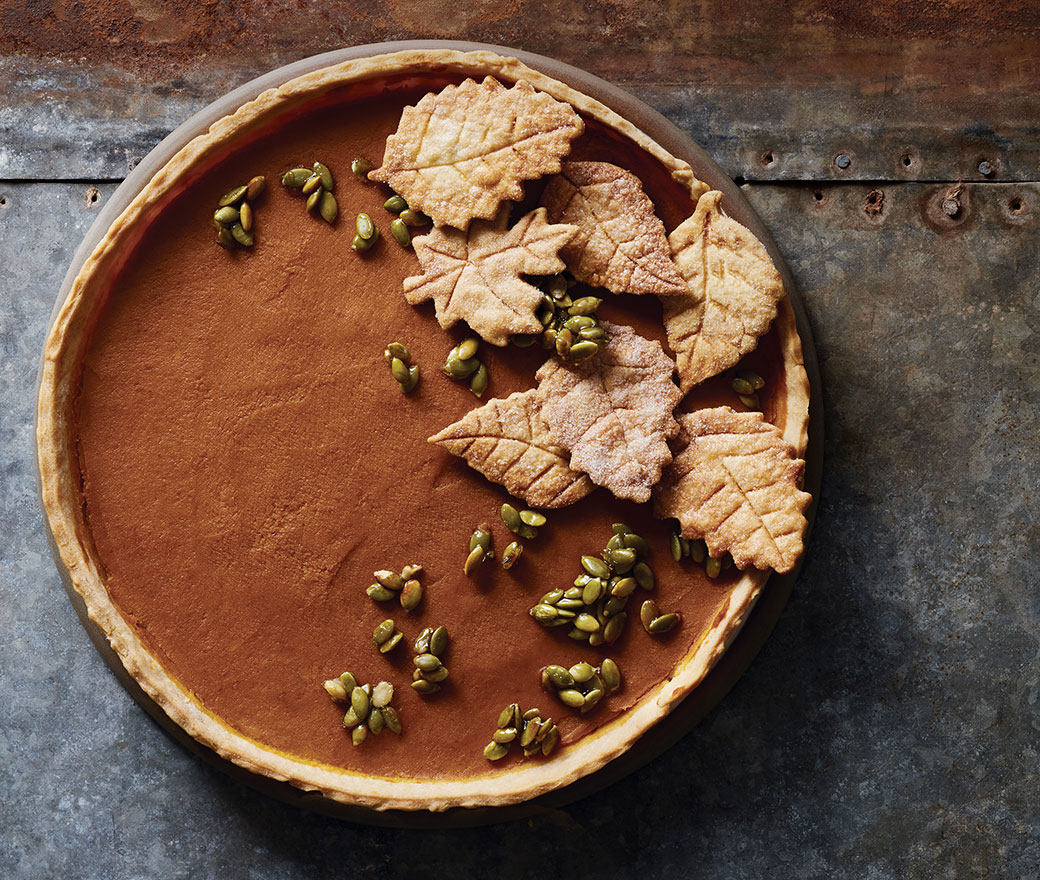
583 685
430 672
525 728
369 710
316 185
463 364
571 328
594 607
404 586
524 523
697 550
405 217
479 550
399 359
746 384
654 622
233 218
386 637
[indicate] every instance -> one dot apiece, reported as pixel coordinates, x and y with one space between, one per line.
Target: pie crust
61 489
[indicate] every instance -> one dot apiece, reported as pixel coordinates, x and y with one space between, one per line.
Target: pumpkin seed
438 675
494 751
624 587
663 623
297 177
593 590
573 698
510 517
534 713
611 674
225 239
548 339
480 538
314 200
439 639
587 623
644 575
410 571
328 208
511 555
255 188
622 560
375 721
358 734
382 632
591 699
564 338
575 591
479 383
226 216
613 605
550 741
359 702
592 334
241 236
348 681
518 716
582 672
395 204
615 626
473 561
585 305
389 579
543 729
742 386
529 732
648 613
424 687
557 286
698 551
675 545
522 340
457 368
245 214
427 662
365 227
583 350
505 717
400 370
635 542
411 595
712 567
750 401
571 604
382 694
578 635
422 641
532 518
232 196
325 175
312 184
579 323
595 566
596 639
468 348
544 613
616 542
360 168
391 719
391 643
379 594
336 691
559 676
361 245
351 718
413 218
756 381
399 230
504 735
620 529
396 350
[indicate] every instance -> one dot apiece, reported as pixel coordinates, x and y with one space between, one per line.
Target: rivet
985 168
842 160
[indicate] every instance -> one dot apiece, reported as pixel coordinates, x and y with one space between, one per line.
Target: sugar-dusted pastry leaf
732 291
507 441
474 276
459 153
734 483
621 244
614 411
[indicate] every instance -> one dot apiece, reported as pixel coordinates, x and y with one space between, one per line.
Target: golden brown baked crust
61 497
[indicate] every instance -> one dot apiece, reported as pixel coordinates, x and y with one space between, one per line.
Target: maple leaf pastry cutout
614 411
507 441
459 153
734 482
475 276
621 244
732 293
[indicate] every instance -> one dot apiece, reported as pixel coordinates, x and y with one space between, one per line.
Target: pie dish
224 462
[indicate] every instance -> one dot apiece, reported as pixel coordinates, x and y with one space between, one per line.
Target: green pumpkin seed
245 214
624 587
505 717
587 623
468 348
750 401
518 716
379 594
314 200
532 518
325 175
552 596
391 720
395 204
358 734
581 351
582 672
494 751
522 340
663 623
578 635
391 643
622 560
549 339
596 638
559 676
399 230
348 681
359 702
504 735
616 542
756 382
360 168
297 177
480 538
593 590
226 216
389 579
400 370
615 626
635 542
644 575
396 350
473 561
557 286
534 713
439 640
422 641
592 334
510 517
438 675
511 555
232 196
382 632
675 544
544 613
457 368
334 688
648 613
311 185
591 699
225 239
595 566
241 236
571 604
367 688
611 674
742 386
698 551
351 718
413 218
410 571
255 188
529 732
411 595
361 245
712 567
424 687
550 741
329 207
570 697
427 662
620 529
613 605
365 227
375 721
382 694
579 322
479 383
585 305
575 591
543 729
564 338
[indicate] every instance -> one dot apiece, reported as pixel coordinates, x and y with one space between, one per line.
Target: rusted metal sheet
900 91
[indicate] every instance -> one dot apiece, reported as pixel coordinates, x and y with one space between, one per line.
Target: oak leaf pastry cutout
507 441
459 153
614 411
731 298
474 276
621 244
734 483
